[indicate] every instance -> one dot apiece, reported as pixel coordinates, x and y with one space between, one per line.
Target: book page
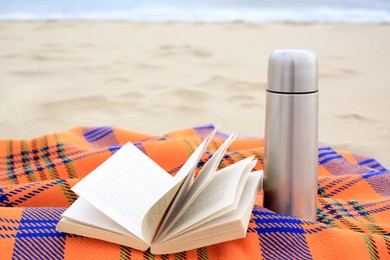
153 217
125 187
219 197
83 212
192 162
72 227
226 227
206 173
188 170
201 181
179 186
252 186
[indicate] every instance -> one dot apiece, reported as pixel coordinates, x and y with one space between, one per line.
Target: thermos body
291 135
291 154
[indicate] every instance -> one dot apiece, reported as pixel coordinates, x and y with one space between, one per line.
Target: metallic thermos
291 133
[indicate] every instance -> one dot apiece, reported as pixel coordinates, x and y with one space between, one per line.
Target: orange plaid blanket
36 177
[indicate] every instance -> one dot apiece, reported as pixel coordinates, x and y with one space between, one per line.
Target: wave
156 13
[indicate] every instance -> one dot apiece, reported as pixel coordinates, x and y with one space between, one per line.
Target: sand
157 77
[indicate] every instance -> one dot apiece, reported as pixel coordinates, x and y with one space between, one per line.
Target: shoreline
165 22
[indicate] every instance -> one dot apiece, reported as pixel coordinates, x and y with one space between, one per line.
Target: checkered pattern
36 176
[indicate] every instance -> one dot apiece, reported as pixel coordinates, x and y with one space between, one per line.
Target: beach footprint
179 50
231 84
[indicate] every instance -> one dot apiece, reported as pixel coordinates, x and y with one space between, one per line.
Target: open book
130 200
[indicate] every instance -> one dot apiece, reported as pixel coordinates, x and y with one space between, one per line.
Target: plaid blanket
36 177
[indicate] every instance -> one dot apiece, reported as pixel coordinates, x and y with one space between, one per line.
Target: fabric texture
36 176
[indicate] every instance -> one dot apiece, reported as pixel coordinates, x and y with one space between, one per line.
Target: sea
352 11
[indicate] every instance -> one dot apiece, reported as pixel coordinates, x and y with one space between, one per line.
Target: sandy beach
157 77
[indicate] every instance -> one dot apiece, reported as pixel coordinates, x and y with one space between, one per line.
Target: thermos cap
293 71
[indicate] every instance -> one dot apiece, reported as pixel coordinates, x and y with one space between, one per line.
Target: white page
83 212
219 197
207 172
125 187
227 227
252 186
153 217
192 162
228 202
72 227
203 178
188 169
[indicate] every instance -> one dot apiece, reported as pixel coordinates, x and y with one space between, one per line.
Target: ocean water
201 10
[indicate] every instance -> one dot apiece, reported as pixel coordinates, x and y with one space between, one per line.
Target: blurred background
202 10
155 66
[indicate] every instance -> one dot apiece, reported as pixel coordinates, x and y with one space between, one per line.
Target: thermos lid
293 71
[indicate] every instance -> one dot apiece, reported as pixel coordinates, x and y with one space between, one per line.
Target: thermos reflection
291 133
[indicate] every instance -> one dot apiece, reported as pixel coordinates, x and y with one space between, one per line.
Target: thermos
291 133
